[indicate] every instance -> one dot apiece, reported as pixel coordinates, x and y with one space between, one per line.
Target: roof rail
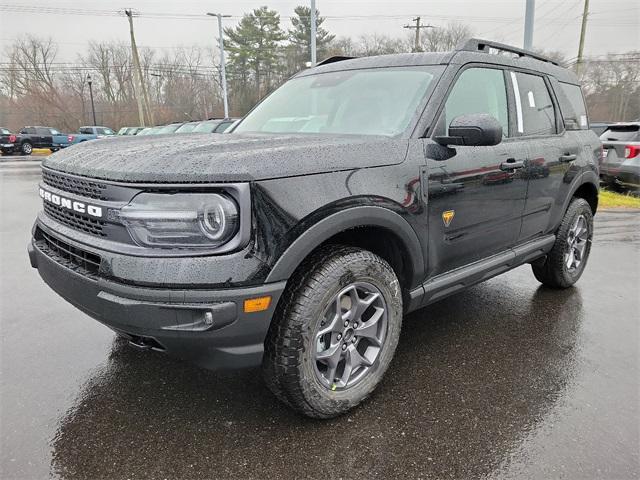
478 45
334 59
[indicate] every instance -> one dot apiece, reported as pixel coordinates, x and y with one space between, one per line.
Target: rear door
474 204
551 150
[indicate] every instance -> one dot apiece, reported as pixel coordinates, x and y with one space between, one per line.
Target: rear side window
536 115
43 131
622 133
86 131
574 111
478 90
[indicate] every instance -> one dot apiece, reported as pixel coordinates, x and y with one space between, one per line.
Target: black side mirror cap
473 130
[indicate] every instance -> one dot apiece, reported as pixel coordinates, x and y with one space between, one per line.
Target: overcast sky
613 24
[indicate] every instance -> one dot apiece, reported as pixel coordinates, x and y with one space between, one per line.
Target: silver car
620 166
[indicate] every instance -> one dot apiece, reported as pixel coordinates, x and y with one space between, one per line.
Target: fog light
257 304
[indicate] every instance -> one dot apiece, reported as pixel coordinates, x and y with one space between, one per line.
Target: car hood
224 157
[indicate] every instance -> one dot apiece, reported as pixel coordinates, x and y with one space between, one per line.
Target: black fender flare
360 216
588 176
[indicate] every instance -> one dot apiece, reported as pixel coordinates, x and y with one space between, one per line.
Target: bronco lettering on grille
74 205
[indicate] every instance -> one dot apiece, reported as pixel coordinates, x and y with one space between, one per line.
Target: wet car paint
505 380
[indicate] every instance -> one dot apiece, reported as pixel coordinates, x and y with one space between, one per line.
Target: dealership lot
507 379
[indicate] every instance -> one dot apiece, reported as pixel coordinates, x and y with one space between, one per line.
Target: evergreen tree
300 35
254 47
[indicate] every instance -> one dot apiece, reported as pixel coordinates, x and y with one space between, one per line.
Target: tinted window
43 131
622 133
573 108
478 90
536 115
86 131
380 101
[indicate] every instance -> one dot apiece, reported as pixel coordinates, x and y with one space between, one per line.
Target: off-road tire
26 148
553 271
288 365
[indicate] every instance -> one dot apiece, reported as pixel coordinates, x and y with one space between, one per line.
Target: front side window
477 90
536 115
376 101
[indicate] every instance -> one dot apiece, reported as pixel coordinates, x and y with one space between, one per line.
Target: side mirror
474 130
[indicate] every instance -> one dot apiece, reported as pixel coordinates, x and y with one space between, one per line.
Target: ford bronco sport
360 190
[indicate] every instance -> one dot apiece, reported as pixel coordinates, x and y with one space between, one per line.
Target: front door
475 201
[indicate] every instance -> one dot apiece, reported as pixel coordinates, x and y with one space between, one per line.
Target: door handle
568 157
511 164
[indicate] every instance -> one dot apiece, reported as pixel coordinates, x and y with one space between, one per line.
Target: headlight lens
181 220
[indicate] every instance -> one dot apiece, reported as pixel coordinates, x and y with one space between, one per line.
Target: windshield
378 101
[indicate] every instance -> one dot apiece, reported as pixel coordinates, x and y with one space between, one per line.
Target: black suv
360 190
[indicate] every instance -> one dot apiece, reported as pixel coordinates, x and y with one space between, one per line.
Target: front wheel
567 259
334 332
26 148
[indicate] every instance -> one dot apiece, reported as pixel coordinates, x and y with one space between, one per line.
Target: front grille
76 259
84 188
75 220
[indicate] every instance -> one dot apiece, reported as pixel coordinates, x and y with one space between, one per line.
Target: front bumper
206 327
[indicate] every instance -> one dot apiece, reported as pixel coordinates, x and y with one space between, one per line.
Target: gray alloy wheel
334 331
26 148
564 264
350 336
577 240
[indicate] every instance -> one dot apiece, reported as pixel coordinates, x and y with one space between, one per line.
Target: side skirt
451 282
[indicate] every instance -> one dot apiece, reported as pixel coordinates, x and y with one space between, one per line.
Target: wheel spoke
330 356
369 329
569 259
353 360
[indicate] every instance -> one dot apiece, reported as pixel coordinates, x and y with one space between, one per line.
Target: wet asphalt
506 380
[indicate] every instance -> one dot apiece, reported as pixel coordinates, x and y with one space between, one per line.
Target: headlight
181 220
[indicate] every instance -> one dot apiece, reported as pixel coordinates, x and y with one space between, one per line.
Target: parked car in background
7 141
90 133
149 130
170 128
187 127
599 127
130 130
38 137
620 165
214 125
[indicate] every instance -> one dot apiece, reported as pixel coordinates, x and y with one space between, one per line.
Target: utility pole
93 107
223 70
417 27
529 16
313 33
583 31
138 73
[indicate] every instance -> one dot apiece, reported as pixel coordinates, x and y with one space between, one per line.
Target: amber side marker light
256 304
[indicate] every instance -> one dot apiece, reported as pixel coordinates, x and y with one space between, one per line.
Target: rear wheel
565 263
334 332
26 148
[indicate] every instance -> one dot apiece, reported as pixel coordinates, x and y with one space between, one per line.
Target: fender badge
447 217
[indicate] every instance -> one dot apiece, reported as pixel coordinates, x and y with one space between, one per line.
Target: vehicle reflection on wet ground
506 379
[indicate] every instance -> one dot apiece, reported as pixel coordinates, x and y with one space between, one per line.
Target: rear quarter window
574 111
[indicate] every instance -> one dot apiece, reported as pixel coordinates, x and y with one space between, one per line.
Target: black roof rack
478 45
334 59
